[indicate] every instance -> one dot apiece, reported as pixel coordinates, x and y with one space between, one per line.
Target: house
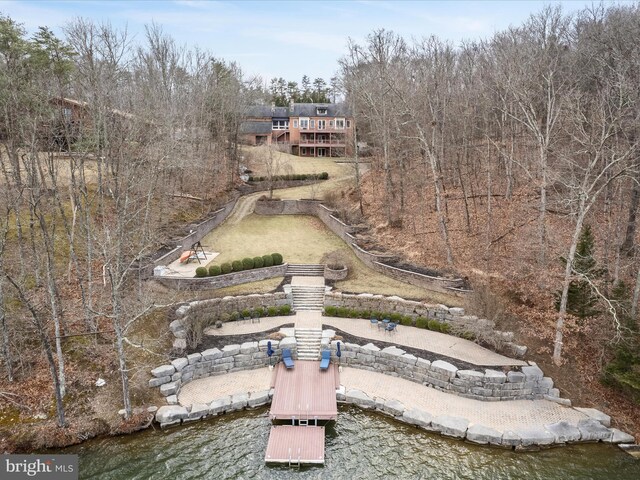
304 129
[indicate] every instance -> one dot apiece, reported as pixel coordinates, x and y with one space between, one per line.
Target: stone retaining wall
490 385
215 307
221 281
345 232
232 358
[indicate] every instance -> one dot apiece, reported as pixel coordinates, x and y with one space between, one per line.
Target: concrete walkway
438 343
503 417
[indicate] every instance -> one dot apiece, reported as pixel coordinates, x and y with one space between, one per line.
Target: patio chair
374 322
390 328
286 358
326 358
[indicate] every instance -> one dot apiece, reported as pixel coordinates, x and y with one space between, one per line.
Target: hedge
237 266
395 317
246 263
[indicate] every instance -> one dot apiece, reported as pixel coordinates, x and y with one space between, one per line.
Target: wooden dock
295 446
303 396
305 393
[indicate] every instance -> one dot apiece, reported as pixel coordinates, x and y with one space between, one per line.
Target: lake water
360 445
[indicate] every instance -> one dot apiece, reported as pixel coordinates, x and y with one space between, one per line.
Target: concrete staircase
305 270
307 297
308 343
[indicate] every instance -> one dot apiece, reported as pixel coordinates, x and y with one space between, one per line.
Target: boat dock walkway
302 396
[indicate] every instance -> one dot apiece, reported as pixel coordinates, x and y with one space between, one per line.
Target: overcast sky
285 38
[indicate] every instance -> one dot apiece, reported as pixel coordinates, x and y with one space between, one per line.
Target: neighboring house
305 129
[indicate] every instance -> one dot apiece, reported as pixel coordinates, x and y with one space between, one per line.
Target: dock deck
305 392
294 445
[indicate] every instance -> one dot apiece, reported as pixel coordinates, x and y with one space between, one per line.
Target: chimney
291 106
273 107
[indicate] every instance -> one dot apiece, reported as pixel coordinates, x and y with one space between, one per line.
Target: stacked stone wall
172 377
222 281
487 385
216 308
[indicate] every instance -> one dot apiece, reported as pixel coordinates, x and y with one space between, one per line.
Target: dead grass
302 239
291 164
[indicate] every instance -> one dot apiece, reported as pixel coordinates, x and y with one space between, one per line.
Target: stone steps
305 270
307 297
308 343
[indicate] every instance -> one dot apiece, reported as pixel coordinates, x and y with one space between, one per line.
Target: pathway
501 416
438 343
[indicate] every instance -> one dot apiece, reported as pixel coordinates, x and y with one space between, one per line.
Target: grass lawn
291 164
301 239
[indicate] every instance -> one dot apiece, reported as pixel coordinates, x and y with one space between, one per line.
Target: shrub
330 311
395 317
324 176
468 336
246 313
247 263
445 327
226 268
285 310
365 314
214 270
353 313
342 312
376 314
422 322
277 258
258 262
259 312
406 320
234 316
433 325
237 266
201 272
272 311
267 260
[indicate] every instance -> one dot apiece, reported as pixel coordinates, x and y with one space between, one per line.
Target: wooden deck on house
294 445
305 392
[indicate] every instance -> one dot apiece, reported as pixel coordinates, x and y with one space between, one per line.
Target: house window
304 123
295 124
280 124
331 124
348 123
312 124
66 113
303 151
321 110
322 124
340 123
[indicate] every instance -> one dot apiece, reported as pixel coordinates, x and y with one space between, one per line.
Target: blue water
360 445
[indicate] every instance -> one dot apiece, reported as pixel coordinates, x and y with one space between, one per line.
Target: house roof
299 110
255 128
310 109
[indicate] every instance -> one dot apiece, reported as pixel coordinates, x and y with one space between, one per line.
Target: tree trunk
562 311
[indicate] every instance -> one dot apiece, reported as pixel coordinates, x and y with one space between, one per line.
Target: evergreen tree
581 301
